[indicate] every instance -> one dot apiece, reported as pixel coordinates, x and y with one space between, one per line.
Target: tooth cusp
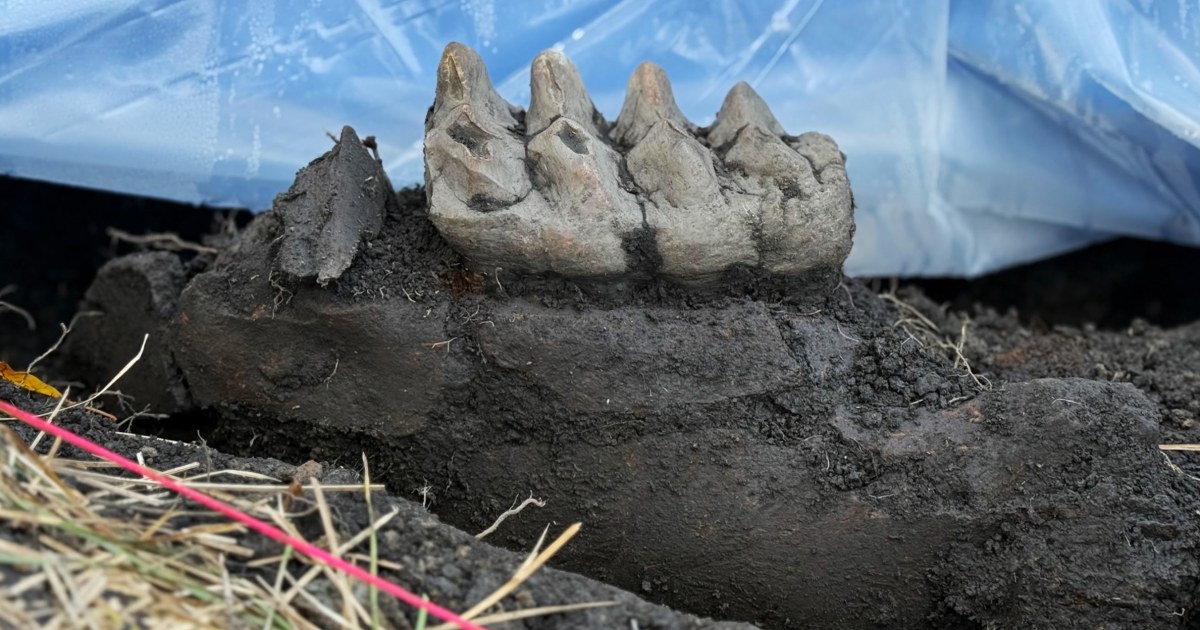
463 81
648 100
557 91
742 106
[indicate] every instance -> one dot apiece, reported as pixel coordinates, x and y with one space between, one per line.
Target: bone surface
560 190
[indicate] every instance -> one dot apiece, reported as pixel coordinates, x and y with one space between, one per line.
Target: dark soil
782 453
451 567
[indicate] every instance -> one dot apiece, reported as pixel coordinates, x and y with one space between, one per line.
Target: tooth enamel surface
670 163
767 160
477 162
463 81
556 90
648 100
743 106
699 234
551 193
579 178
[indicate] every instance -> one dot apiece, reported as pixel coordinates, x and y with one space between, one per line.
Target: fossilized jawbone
560 190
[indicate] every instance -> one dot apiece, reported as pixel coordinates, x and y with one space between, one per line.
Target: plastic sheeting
979 133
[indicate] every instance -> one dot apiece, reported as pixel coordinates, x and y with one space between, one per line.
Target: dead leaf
27 381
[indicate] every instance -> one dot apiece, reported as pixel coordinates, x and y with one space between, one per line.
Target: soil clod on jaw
554 201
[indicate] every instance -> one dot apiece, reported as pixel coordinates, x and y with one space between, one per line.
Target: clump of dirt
768 450
1163 363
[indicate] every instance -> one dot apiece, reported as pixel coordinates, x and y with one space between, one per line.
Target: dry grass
929 335
90 549
77 559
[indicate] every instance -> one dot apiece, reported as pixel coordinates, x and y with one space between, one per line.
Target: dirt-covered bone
337 202
761 454
552 197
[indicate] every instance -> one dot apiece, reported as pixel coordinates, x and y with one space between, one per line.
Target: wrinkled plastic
979 134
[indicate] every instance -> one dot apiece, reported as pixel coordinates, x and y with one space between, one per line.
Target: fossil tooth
670 161
578 176
468 142
463 81
556 90
648 100
558 196
474 164
700 231
743 106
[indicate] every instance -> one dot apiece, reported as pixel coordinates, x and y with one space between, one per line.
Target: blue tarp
979 133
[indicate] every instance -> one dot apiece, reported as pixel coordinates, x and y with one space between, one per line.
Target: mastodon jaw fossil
560 190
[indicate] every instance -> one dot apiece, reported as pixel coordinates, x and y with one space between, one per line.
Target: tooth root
463 82
743 106
648 100
668 160
556 90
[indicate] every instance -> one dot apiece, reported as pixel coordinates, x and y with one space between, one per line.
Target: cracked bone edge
336 203
648 100
556 90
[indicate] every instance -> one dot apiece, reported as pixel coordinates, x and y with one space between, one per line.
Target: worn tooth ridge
556 90
463 81
559 191
743 106
648 100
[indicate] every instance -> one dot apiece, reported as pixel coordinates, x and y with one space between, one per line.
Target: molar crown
739 194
